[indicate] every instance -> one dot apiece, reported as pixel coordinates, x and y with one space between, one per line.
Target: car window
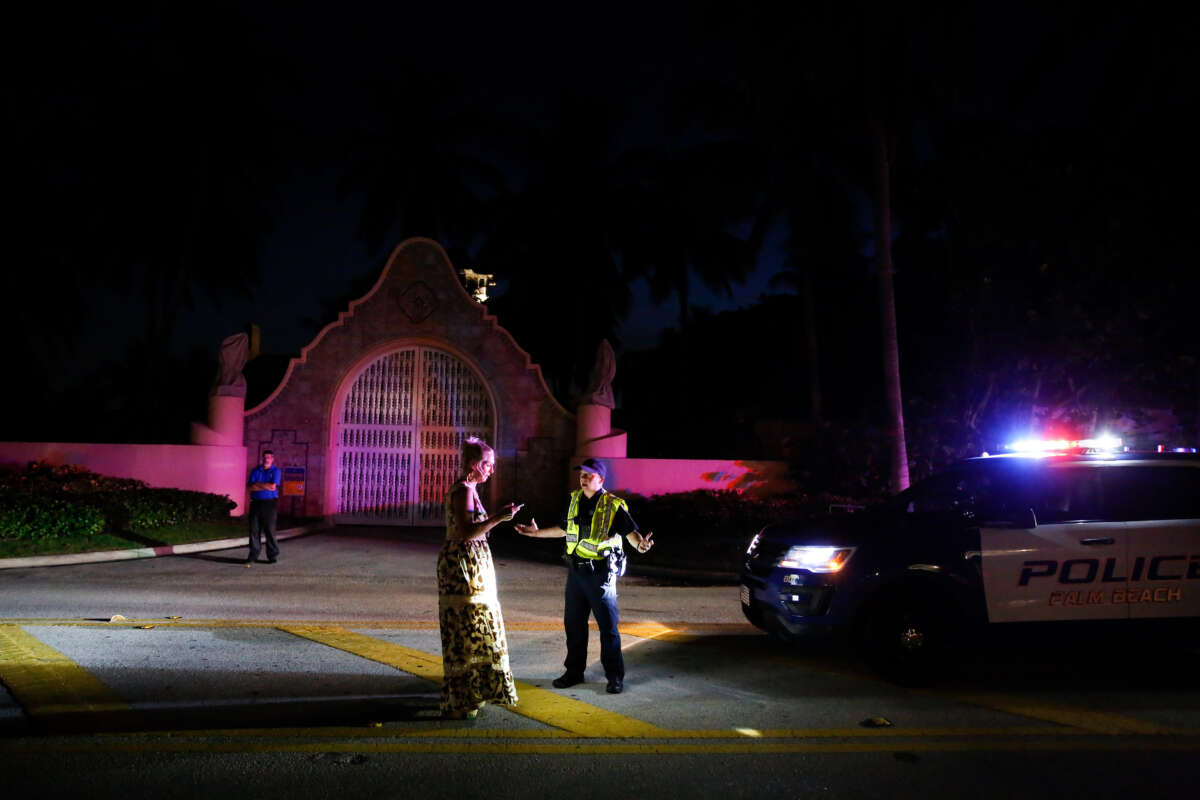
1002 493
961 491
938 494
1068 494
1152 492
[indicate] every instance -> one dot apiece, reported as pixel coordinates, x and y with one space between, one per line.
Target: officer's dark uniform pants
262 521
595 593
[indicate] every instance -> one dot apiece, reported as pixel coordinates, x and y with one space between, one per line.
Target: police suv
1065 532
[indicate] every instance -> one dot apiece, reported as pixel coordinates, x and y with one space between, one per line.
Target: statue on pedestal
599 391
230 382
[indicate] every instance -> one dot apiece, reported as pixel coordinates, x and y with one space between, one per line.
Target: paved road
318 675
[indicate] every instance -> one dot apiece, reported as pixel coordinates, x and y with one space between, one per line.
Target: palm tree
416 163
560 236
690 204
172 163
822 248
797 87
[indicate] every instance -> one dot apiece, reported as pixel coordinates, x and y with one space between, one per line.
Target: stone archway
397 435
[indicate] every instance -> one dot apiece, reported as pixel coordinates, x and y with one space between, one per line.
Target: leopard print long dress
474 645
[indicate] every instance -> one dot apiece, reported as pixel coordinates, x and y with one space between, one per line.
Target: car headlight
753 544
816 559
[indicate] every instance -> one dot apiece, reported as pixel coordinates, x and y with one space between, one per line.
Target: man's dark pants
595 593
262 521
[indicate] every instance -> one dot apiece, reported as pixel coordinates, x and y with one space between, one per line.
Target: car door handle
1098 541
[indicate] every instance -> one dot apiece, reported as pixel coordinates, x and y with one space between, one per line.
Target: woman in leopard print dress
474 647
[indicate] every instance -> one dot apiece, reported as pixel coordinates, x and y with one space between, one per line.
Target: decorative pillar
227 421
594 436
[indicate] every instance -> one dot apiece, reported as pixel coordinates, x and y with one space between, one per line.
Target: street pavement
319 675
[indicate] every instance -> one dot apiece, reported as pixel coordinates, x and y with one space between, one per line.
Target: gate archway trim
356 371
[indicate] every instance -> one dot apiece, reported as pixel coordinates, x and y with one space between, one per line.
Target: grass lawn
205 531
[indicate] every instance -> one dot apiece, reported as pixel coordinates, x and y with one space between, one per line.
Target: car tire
906 638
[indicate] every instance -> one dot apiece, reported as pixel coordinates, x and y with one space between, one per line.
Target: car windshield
953 490
1004 491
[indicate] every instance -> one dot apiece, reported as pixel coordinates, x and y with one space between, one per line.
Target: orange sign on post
293 481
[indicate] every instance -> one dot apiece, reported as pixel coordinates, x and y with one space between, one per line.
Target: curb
639 570
148 552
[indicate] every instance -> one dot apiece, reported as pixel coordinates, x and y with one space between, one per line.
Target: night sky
311 69
112 110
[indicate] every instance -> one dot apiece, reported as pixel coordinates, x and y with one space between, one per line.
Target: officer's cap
594 466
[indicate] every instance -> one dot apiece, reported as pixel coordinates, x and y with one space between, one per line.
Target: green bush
43 501
147 509
40 477
42 516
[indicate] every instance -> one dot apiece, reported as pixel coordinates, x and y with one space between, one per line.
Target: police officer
264 494
593 526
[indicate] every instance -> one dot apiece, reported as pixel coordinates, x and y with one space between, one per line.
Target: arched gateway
367 422
398 432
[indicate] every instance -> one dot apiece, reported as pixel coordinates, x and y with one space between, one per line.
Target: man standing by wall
593 525
264 495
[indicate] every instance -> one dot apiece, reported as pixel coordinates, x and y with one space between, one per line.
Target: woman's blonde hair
474 450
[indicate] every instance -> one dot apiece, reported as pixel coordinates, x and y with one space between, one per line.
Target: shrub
147 509
43 516
44 501
39 476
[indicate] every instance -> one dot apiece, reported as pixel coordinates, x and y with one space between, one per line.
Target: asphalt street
318 675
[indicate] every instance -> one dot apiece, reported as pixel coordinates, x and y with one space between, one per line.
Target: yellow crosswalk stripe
49 686
549 708
424 731
57 693
591 749
666 631
1091 721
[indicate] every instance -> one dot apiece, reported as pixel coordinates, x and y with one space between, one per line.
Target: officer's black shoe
566 680
272 560
615 686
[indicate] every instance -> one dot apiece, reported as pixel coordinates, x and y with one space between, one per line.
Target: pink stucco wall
199 468
651 476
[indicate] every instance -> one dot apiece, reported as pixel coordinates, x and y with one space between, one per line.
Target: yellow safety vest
602 519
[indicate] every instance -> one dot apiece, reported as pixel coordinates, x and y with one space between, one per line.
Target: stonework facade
374 408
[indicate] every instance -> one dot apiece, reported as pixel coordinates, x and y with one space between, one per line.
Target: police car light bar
1035 446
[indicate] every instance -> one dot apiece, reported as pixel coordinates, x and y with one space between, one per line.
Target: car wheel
906 639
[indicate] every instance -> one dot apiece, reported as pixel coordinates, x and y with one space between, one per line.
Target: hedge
27 516
43 501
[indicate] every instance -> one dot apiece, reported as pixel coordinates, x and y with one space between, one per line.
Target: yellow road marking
656 630
46 683
667 631
474 732
535 703
585 748
49 685
1091 721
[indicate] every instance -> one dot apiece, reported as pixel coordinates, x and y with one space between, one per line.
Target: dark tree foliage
148 162
1042 208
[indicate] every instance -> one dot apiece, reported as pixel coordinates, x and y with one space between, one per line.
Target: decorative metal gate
399 433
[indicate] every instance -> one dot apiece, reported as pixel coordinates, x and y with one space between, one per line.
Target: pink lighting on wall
219 470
